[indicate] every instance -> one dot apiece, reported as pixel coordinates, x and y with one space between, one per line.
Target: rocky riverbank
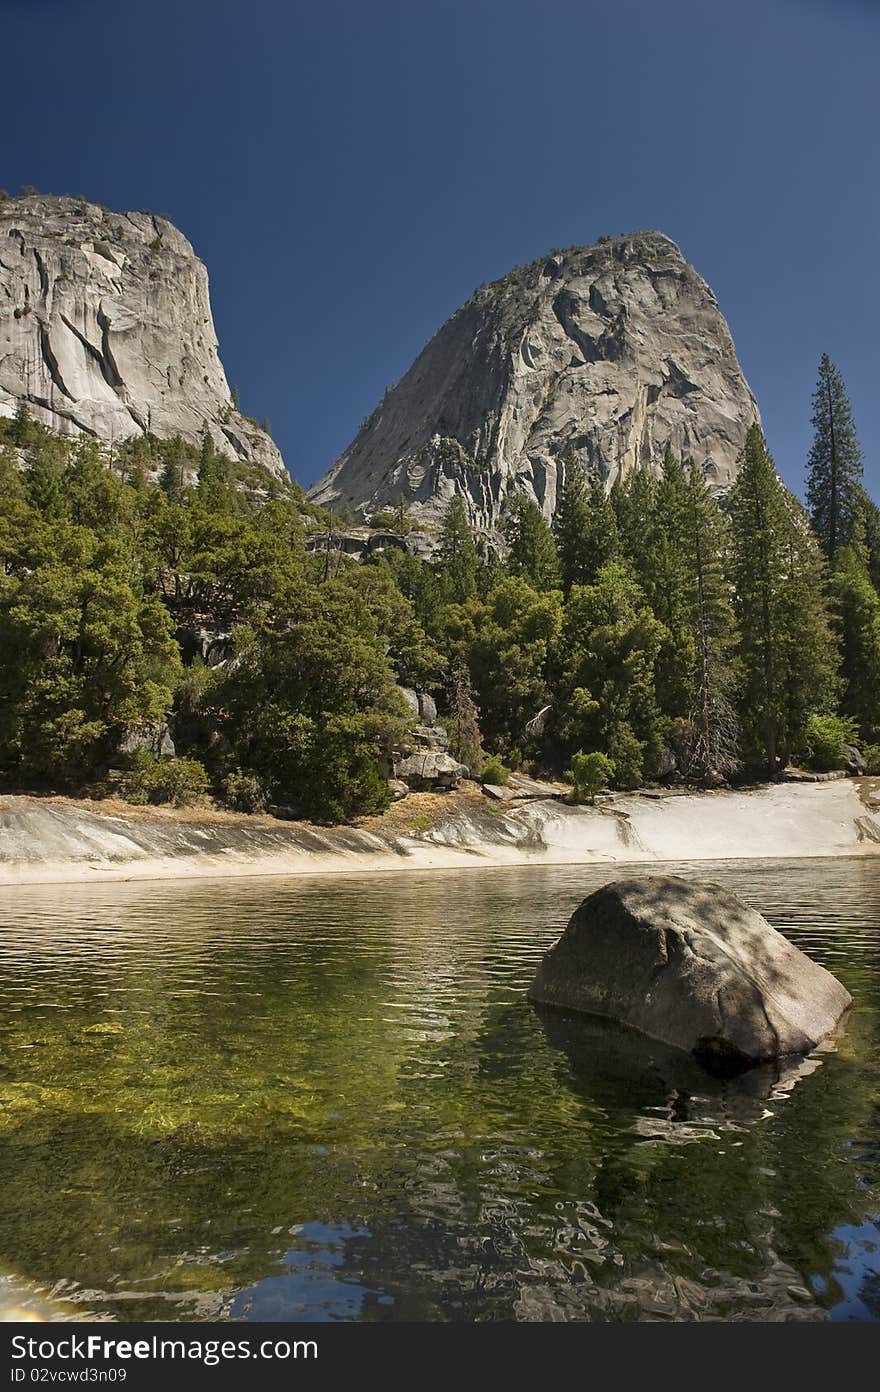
45 840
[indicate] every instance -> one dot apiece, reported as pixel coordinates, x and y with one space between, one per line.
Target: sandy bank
57 840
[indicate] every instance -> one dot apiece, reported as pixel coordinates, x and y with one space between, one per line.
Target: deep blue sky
351 171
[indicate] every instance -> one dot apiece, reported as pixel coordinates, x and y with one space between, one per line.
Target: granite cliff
106 328
614 351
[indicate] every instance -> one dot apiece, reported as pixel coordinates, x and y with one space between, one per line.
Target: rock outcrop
614 351
693 966
423 762
519 789
106 329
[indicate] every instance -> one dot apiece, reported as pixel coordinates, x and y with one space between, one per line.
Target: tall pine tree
664 566
463 721
458 554
857 620
786 648
712 746
585 525
867 534
532 548
835 462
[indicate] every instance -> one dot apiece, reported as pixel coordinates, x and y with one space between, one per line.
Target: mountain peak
109 329
614 351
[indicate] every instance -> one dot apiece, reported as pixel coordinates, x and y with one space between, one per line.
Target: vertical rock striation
615 351
106 328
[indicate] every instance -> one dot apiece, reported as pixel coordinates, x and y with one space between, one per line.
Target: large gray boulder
154 736
411 698
427 709
107 330
690 964
614 352
430 769
855 759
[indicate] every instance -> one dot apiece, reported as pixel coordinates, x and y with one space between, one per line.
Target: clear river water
318 1099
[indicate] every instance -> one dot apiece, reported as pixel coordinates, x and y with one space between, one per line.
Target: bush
495 772
245 792
627 756
826 735
589 773
152 780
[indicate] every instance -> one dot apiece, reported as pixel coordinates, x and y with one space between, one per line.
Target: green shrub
245 792
589 773
495 772
826 735
627 754
152 780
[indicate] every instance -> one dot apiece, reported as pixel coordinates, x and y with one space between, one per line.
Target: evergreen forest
653 632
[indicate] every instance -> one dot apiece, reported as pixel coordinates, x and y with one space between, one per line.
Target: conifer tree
458 554
835 462
808 648
636 512
571 521
403 522
610 644
207 451
602 543
172 479
713 744
532 552
585 525
786 647
857 621
665 568
867 534
43 478
463 722
22 425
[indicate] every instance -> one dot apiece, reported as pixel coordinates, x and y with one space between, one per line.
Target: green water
329 1099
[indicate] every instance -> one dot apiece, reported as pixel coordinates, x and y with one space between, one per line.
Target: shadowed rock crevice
51 363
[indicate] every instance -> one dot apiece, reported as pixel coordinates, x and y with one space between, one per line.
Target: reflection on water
316 1099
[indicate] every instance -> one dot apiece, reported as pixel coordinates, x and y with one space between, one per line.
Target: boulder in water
690 964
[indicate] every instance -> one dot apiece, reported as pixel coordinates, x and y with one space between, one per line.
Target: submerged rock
691 965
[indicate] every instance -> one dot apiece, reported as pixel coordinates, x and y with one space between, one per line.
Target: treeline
652 632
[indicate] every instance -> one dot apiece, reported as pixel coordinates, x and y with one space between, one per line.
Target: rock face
519 789
693 966
614 351
106 328
422 761
154 737
430 769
